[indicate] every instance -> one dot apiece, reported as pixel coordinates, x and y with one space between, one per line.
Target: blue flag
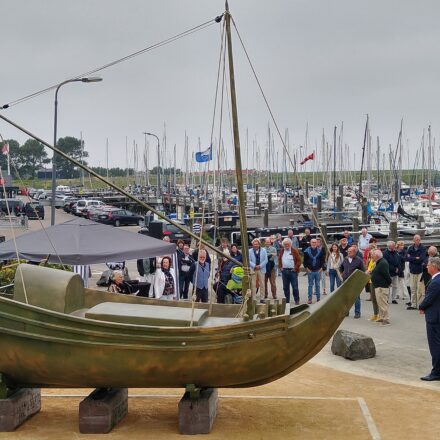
204 156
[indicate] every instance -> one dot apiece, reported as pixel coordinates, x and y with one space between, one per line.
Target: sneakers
373 318
309 301
318 299
379 320
394 301
385 322
297 303
357 315
411 308
408 303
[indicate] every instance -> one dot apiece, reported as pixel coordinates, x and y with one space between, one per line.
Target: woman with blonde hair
370 264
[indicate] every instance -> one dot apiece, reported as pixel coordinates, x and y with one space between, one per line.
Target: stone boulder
353 346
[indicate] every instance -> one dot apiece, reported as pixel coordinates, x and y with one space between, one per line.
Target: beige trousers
382 301
417 289
261 282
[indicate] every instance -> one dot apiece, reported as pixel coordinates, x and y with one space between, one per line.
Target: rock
353 346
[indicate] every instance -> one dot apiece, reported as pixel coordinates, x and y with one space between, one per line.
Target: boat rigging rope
13 234
315 219
169 40
193 296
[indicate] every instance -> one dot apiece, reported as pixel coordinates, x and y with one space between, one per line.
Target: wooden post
393 230
301 202
266 218
421 225
238 167
269 202
339 207
319 203
355 233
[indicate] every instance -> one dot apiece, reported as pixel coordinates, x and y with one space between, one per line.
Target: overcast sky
319 62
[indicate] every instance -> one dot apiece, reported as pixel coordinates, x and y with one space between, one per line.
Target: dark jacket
393 260
402 255
225 273
416 258
186 261
314 259
380 277
304 243
348 268
431 304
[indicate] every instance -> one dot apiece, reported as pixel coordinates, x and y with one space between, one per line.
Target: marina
225 222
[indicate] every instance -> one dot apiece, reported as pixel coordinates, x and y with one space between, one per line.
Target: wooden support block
197 415
102 409
17 408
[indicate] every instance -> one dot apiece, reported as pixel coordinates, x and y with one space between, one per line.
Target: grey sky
319 62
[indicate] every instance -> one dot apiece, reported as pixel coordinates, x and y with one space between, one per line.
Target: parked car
34 210
15 206
119 217
93 211
69 204
160 229
83 203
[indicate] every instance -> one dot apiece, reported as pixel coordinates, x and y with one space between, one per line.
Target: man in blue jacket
430 306
393 259
416 256
257 262
314 262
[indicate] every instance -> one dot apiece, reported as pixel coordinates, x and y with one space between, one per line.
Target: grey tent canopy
81 241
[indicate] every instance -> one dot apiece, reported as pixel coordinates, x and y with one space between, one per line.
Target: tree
30 157
72 147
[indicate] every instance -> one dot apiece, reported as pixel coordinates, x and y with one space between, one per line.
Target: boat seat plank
141 314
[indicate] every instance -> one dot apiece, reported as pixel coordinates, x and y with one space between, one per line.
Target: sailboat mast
238 167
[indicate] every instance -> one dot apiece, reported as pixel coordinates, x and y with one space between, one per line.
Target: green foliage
73 148
30 157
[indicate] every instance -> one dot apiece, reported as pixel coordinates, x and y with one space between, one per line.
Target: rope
194 296
13 234
275 123
169 40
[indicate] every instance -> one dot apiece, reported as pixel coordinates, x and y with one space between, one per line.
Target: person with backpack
314 262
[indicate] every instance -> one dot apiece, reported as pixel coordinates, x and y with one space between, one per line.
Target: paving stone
102 409
17 408
353 346
196 416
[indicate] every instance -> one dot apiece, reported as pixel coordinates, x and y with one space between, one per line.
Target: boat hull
49 349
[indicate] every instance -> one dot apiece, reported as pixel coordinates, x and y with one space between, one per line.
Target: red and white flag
309 157
5 149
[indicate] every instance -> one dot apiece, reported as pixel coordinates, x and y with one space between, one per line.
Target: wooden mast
238 167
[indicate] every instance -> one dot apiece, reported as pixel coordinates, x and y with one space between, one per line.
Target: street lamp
89 79
159 188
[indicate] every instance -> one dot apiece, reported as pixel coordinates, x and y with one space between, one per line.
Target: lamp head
91 79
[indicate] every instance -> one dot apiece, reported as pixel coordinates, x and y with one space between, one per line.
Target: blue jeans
290 278
314 277
333 275
357 306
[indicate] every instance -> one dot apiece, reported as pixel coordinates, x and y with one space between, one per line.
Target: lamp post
54 168
159 187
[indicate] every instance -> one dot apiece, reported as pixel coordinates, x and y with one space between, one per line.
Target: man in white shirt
364 239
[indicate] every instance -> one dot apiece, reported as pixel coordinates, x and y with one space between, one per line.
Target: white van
85 203
63 189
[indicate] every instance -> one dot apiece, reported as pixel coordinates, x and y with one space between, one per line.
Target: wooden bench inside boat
142 314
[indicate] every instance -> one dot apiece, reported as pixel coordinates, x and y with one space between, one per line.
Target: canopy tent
81 241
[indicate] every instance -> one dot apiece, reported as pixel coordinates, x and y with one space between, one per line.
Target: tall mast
238 167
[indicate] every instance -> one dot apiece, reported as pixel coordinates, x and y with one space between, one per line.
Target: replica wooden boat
55 333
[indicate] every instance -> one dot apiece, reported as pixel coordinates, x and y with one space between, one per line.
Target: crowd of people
396 272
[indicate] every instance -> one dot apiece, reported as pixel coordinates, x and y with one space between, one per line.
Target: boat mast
238 167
